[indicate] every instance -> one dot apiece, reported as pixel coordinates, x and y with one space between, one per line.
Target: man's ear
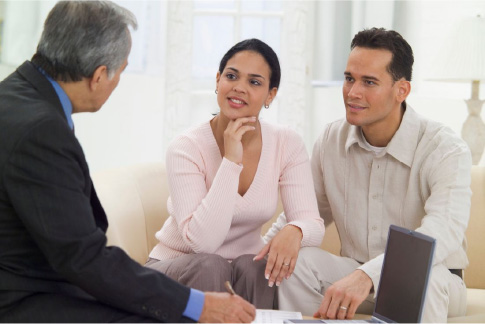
403 90
99 74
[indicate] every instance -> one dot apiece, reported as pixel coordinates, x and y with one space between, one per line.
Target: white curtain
336 24
188 101
21 29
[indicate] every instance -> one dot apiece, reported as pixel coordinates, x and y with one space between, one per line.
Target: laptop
404 279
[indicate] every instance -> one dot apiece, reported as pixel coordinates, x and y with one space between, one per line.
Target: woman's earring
266 106
215 91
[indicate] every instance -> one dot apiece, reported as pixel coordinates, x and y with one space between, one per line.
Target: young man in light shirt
384 164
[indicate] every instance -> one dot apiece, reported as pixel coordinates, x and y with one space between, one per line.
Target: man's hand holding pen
227 308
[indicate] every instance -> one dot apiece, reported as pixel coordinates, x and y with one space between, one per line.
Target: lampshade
462 56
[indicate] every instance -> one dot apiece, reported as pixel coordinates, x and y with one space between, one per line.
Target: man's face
107 86
369 92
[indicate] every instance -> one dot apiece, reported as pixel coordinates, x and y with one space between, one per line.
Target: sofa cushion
475 234
134 199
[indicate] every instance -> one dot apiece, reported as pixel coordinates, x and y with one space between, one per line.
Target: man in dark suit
54 262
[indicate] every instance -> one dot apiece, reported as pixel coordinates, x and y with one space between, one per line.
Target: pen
229 288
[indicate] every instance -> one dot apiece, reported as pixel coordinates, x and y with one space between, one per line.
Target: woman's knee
206 272
206 263
244 265
244 261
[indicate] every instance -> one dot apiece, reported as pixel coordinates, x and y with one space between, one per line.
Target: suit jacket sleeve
47 180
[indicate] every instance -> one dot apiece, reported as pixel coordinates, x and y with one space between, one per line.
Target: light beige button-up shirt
421 181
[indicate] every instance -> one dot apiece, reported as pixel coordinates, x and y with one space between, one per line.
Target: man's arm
445 186
49 187
317 167
351 290
445 182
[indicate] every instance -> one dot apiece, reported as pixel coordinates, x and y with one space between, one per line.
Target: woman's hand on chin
233 149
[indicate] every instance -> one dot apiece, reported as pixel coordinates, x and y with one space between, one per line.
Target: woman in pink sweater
224 177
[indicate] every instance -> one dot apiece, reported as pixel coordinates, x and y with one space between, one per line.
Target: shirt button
374 228
375 196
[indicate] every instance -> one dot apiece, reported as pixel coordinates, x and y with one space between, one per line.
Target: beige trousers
208 272
316 270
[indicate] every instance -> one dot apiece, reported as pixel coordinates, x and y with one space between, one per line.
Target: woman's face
243 86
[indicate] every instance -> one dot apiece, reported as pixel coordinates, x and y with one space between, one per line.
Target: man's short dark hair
401 65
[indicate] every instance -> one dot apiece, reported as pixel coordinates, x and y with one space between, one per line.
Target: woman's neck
219 125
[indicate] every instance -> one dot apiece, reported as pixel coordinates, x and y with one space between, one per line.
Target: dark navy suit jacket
52 225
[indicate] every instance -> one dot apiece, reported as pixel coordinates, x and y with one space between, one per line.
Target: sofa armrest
475 234
134 199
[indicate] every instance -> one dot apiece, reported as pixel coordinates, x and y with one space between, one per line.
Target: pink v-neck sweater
207 213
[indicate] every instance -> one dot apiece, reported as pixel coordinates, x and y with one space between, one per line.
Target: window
196 44
219 25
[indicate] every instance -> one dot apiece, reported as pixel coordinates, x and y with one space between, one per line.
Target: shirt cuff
373 269
312 233
194 305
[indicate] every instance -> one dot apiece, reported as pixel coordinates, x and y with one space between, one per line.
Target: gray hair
80 36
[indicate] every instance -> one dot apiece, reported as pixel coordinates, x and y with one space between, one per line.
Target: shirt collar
63 98
354 137
402 145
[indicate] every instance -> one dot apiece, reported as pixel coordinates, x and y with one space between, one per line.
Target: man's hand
282 253
226 308
344 296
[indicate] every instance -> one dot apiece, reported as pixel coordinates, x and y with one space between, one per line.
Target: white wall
134 117
129 128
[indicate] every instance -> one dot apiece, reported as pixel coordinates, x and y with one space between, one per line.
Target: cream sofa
135 199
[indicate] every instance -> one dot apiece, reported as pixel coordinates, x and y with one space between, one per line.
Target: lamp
462 59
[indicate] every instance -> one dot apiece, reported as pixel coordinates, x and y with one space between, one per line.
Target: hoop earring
215 91
266 106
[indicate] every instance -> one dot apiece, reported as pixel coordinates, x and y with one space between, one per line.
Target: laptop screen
404 276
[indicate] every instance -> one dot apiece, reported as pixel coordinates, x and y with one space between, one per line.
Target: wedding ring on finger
286 264
343 308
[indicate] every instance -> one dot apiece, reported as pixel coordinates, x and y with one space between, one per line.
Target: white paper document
274 316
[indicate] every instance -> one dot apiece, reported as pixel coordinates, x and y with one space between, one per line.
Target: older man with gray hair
54 262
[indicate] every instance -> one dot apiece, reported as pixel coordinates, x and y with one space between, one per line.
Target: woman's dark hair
257 46
401 65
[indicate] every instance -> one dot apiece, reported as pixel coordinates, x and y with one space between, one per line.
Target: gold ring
343 308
